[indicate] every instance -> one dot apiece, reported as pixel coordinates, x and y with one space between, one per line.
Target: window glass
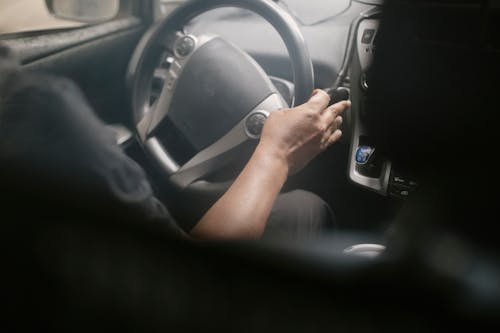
306 12
30 15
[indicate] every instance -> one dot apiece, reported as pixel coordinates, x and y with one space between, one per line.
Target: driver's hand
297 135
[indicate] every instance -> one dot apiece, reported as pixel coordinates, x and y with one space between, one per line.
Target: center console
367 167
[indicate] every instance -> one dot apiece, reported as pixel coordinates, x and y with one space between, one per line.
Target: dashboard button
399 193
367 36
399 180
403 181
401 186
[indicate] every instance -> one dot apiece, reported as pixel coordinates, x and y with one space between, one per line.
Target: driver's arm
290 139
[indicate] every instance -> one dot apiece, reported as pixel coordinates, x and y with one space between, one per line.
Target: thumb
319 99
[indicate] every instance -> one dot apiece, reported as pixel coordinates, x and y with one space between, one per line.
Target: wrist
272 157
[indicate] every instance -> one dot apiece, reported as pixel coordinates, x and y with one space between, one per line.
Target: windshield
314 11
306 12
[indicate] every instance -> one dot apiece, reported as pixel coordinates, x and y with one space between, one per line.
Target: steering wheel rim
141 70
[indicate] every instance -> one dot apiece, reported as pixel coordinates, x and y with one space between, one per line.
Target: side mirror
88 11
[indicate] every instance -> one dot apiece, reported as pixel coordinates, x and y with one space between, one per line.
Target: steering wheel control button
184 46
167 62
363 154
255 123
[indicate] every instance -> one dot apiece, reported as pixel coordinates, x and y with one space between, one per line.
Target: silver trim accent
365 250
366 57
144 124
364 82
162 156
379 184
123 134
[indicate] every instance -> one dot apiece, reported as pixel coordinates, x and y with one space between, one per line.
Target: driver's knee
299 215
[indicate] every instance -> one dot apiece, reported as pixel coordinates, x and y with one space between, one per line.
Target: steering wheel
212 97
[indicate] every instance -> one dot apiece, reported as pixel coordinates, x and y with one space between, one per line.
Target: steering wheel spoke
158 111
219 153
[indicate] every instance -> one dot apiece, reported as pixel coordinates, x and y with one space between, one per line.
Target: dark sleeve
55 149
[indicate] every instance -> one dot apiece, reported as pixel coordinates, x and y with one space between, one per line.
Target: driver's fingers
319 100
334 137
333 127
338 121
337 108
331 115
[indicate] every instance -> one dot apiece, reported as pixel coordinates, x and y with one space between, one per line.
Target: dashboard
342 39
326 36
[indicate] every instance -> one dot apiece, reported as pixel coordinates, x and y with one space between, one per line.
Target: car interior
186 87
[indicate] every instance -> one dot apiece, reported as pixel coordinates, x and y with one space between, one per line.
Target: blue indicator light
363 154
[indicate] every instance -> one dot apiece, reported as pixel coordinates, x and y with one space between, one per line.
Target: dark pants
299 215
